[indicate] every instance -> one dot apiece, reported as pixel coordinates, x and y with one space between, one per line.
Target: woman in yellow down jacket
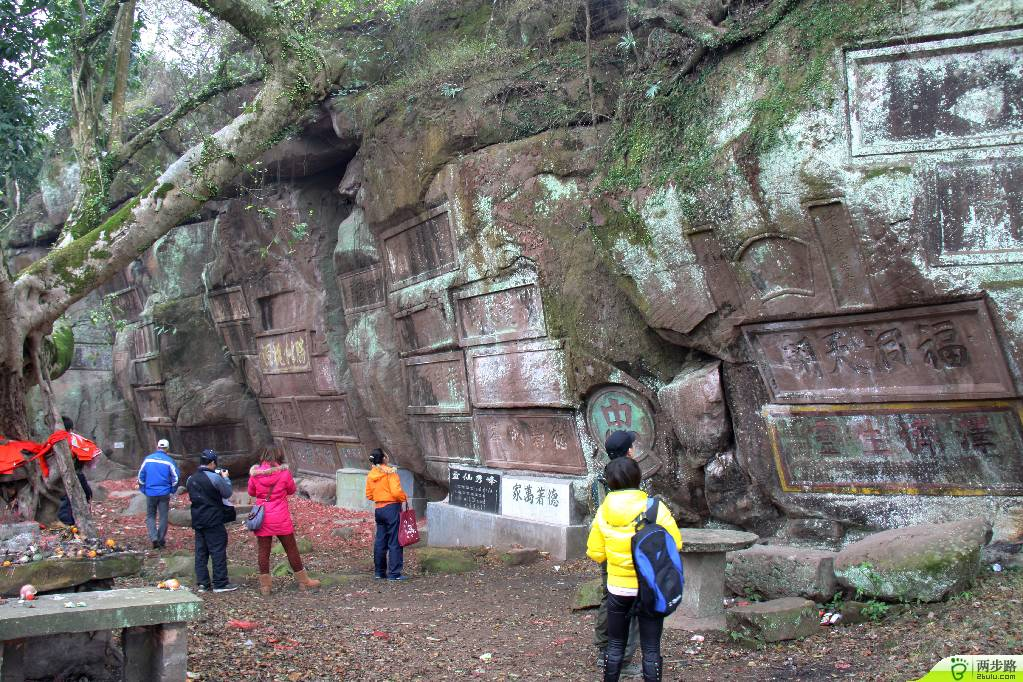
611 540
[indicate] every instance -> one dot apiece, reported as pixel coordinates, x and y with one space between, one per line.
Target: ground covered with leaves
498 622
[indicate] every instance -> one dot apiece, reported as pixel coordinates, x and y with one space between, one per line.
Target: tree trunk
123 35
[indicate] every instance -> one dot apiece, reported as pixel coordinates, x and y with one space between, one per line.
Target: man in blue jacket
158 478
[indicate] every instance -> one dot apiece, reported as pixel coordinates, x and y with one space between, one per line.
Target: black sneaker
400 577
230 587
380 577
156 544
202 588
163 544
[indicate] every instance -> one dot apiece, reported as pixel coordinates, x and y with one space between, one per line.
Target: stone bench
703 565
153 623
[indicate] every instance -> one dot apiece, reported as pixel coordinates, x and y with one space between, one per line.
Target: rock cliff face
780 240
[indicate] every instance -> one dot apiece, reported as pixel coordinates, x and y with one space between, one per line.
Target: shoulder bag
255 519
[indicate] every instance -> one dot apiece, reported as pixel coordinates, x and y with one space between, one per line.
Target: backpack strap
648 515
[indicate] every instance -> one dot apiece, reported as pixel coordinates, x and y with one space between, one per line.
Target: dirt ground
514 623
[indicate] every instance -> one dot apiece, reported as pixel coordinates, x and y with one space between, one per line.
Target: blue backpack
658 564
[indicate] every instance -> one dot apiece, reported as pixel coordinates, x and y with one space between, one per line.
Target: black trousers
211 543
388 555
619 610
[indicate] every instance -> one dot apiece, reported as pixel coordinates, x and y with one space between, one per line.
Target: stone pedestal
703 564
452 526
414 488
351 490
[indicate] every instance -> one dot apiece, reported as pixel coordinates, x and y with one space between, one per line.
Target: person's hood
621 507
380 471
260 470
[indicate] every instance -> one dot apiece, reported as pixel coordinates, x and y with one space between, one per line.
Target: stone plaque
228 305
352 456
479 490
536 440
436 384
939 94
146 371
362 290
954 448
835 233
724 289
777 265
144 341
419 249
620 408
324 375
152 404
93 356
445 439
126 304
973 212
281 416
502 315
224 438
319 459
326 418
283 352
280 310
238 336
426 327
519 374
925 353
543 500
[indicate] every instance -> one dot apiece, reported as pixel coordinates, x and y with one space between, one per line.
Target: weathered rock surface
520 556
774 571
180 517
323 491
928 562
136 507
776 620
442 560
588 595
48 575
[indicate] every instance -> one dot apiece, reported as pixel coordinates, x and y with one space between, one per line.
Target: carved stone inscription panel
973 212
835 233
281 416
445 439
940 94
536 440
426 327
963 448
362 290
503 315
319 459
228 305
519 375
619 408
224 438
479 490
324 374
326 418
436 384
926 353
152 403
419 251
237 336
284 352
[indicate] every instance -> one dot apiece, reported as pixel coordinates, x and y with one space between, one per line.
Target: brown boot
305 582
265 584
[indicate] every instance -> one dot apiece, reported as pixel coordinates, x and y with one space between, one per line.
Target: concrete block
351 490
452 526
774 571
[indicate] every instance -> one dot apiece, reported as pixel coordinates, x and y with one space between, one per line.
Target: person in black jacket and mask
209 491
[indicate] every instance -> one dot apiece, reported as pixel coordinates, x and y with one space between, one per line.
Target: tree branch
253 19
95 28
217 86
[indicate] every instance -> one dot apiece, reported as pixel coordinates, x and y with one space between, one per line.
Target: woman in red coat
270 483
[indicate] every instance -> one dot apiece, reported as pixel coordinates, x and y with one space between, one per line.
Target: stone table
703 563
62 573
154 626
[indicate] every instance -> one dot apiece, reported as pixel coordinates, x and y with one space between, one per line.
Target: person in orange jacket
384 488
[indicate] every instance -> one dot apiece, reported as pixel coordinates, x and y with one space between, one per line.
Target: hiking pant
388 555
157 504
619 610
211 543
290 546
600 626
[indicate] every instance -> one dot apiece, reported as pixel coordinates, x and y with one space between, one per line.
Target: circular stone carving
619 408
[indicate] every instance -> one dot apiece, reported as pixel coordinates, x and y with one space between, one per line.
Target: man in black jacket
209 491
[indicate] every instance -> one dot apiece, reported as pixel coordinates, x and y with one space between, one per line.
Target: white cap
162 444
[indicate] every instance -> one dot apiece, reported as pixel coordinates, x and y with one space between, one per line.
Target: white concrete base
452 526
351 490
